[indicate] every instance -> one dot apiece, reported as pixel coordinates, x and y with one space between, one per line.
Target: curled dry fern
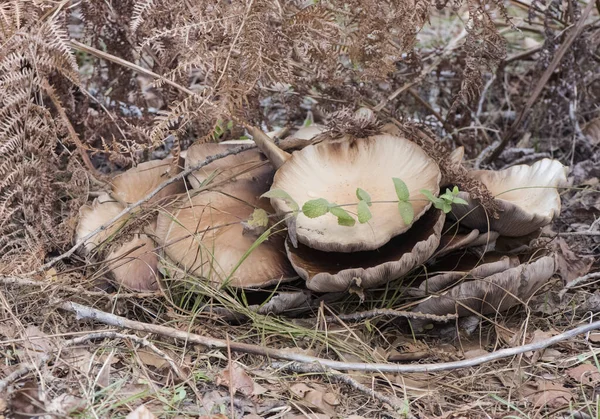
34 188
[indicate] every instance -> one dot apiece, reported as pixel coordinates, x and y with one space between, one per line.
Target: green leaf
344 219
315 208
429 195
455 191
281 194
364 214
401 189
363 196
446 207
459 201
230 125
407 212
259 218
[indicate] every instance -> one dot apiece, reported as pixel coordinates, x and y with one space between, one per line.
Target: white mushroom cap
137 182
334 169
492 294
134 264
527 196
336 271
247 164
205 236
103 209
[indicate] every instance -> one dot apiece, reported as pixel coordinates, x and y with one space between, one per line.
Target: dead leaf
586 374
236 379
594 337
592 131
151 359
475 353
65 405
331 398
36 343
141 412
546 393
570 266
538 336
315 398
300 389
307 416
103 377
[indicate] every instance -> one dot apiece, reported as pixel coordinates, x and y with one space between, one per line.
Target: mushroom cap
137 182
494 293
245 165
190 233
135 264
102 209
527 196
334 169
336 271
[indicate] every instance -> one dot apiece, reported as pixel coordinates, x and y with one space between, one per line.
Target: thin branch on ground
580 233
83 312
384 312
577 282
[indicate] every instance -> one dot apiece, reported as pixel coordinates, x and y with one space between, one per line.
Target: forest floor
58 359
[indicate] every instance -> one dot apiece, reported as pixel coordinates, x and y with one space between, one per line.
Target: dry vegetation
91 88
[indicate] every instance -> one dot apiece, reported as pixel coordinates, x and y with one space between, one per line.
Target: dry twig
83 312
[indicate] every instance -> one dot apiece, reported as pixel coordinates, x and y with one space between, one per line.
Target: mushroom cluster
341 213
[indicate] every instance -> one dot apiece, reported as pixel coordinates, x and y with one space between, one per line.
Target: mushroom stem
276 156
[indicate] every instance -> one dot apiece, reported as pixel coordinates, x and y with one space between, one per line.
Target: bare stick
84 312
385 312
580 233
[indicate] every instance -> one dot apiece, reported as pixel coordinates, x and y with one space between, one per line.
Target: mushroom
452 241
459 268
334 169
527 196
337 271
491 294
139 181
134 264
204 235
102 209
247 164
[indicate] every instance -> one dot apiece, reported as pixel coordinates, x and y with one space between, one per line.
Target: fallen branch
579 282
384 312
83 312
